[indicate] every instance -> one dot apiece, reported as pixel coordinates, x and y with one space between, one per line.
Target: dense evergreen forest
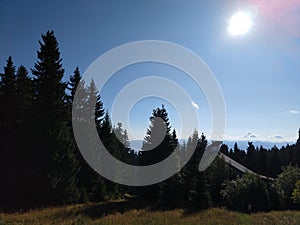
41 164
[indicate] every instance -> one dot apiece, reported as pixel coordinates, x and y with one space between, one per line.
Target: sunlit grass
88 214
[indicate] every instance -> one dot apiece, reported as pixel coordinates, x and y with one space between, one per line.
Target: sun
240 23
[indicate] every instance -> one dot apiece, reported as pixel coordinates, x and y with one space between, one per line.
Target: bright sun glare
240 23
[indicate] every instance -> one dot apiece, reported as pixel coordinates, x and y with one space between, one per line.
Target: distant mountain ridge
242 144
266 144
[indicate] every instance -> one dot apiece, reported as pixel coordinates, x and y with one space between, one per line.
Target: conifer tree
156 147
159 129
8 94
73 83
24 93
54 166
170 190
92 185
8 136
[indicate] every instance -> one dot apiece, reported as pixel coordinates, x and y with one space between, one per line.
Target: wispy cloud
294 111
195 105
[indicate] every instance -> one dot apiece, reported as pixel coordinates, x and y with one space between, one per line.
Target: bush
238 194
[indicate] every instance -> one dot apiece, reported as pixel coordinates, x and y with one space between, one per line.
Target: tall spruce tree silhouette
54 167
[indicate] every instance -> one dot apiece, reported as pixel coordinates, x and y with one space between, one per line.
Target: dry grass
118 214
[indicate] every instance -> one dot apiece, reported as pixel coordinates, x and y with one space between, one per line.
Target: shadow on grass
98 210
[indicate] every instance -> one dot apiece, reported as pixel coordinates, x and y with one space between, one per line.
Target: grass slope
119 213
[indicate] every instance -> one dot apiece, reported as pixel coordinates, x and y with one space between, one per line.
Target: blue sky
259 72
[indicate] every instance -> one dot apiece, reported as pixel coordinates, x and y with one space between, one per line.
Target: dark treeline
40 164
264 161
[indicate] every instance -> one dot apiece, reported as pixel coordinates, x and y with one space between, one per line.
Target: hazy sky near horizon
258 72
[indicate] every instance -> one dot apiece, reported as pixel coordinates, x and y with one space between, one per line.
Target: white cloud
195 105
278 137
294 111
250 135
275 138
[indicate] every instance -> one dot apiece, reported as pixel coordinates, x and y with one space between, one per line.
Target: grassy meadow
121 213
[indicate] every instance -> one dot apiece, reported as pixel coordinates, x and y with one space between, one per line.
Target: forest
41 165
